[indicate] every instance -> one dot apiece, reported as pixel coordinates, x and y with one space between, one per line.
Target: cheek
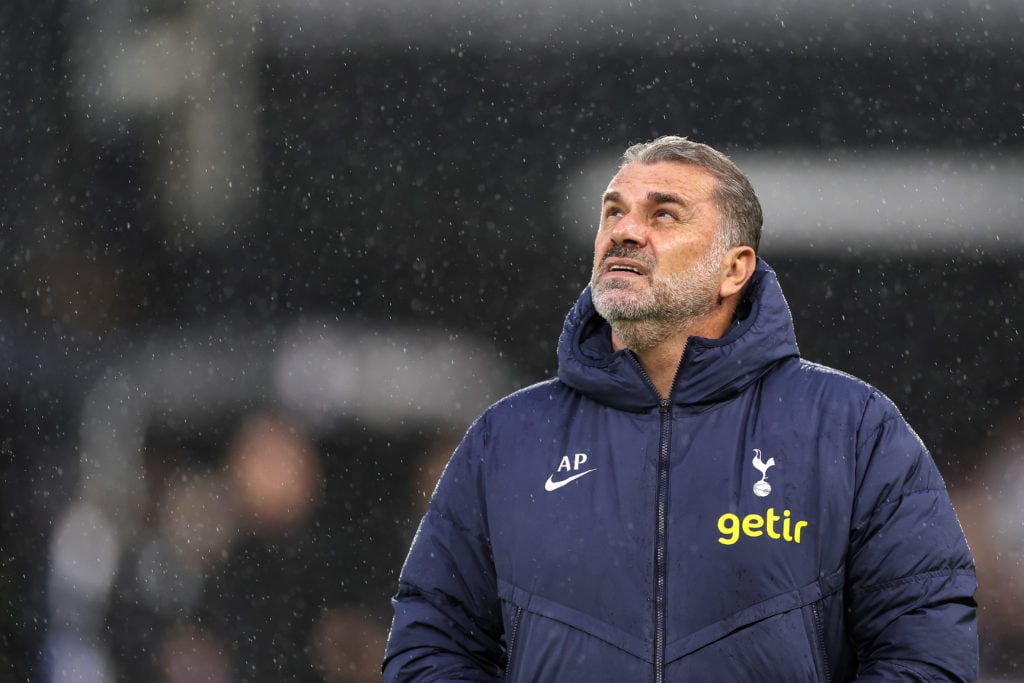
601 244
678 255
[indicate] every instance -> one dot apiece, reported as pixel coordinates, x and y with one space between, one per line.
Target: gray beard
669 306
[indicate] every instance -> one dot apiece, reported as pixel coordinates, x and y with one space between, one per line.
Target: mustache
628 251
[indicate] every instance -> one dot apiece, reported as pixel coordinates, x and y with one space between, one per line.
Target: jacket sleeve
447 616
910 576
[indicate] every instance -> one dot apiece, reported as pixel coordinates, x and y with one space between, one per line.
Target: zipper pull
666 405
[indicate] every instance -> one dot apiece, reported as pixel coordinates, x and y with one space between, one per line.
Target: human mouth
624 267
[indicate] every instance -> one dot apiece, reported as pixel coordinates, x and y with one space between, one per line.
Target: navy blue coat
776 520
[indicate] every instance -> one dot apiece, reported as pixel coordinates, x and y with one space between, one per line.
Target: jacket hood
711 370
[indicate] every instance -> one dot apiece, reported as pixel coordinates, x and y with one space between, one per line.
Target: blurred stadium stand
203 199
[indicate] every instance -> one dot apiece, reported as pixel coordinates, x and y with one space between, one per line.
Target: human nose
629 229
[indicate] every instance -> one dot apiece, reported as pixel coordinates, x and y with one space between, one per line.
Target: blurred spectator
428 472
197 517
243 501
990 504
192 654
347 645
262 600
242 542
275 474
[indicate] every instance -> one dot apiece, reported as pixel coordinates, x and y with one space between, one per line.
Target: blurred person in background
232 494
190 653
429 471
260 598
346 644
991 505
689 499
246 568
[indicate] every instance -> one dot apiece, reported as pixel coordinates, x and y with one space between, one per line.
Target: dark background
418 179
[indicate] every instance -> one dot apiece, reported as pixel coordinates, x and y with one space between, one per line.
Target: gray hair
734 196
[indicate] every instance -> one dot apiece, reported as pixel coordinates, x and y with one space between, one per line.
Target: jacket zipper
511 643
820 633
660 569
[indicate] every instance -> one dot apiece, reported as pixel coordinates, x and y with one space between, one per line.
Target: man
689 500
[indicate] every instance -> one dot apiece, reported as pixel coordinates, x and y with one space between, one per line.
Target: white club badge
762 488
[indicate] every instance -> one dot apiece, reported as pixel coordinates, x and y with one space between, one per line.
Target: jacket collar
711 370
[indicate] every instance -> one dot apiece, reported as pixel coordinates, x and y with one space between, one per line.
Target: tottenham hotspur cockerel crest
762 488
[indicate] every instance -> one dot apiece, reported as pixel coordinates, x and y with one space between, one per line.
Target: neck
661 352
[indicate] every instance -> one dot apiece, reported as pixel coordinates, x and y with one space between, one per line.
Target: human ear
739 265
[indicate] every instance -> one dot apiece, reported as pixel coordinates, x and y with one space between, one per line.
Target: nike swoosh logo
551 485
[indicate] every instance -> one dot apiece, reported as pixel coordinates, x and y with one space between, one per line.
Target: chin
618 305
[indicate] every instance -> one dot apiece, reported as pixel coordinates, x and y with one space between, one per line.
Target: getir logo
731 526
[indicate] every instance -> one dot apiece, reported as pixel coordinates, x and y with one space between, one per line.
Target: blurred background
264 261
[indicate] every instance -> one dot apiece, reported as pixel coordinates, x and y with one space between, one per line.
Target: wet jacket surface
775 520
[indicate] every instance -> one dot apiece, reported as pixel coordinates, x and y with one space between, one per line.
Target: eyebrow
653 197
611 196
665 198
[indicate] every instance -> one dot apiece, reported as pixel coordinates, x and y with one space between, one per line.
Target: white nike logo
551 485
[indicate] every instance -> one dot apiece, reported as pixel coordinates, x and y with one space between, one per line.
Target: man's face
656 256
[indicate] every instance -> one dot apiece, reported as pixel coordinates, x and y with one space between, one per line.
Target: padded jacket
774 520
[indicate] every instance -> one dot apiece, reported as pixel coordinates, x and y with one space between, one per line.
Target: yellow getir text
774 526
